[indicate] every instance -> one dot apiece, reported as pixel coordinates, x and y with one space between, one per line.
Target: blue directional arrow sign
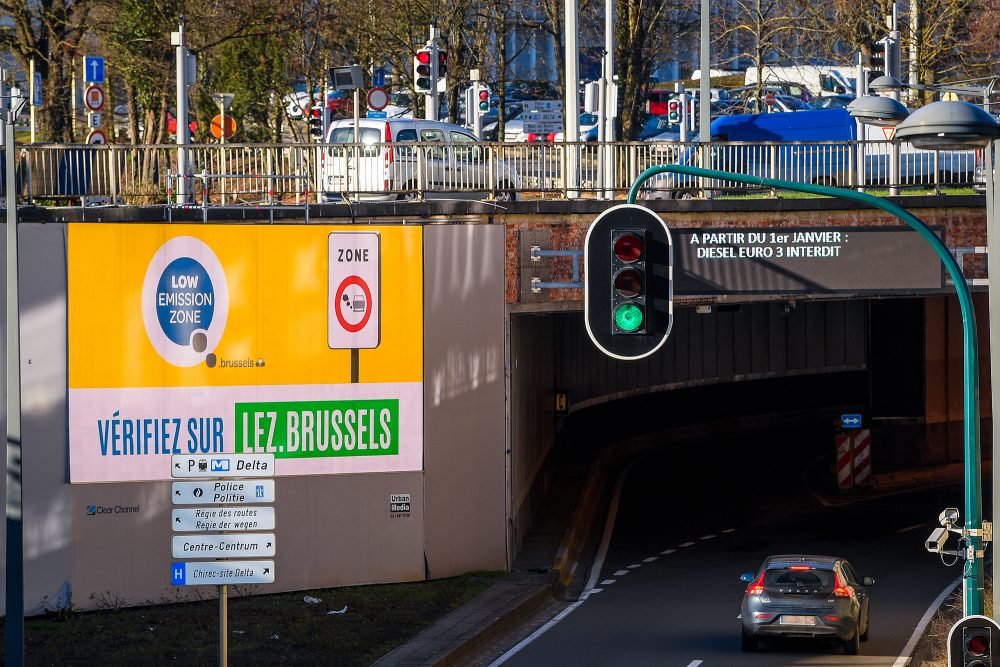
36 90
93 69
850 421
378 77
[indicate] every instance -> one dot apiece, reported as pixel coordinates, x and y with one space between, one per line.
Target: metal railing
293 174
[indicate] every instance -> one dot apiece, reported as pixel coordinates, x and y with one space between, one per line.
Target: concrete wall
331 530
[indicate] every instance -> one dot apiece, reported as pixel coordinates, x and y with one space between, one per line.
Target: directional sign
97 137
244 545
378 77
377 114
541 128
93 69
36 90
221 465
222 573
223 491
354 297
542 105
202 519
850 421
544 116
93 98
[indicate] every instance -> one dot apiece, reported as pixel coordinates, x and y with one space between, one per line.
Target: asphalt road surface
691 520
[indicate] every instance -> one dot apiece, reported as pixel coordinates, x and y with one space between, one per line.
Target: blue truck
818 146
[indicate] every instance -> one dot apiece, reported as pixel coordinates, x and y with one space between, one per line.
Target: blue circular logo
185 301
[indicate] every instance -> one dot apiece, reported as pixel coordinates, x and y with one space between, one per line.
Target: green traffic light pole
972 577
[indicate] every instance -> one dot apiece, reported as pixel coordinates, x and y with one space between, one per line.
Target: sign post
222 484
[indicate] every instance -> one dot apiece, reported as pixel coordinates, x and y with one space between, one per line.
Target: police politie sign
354 285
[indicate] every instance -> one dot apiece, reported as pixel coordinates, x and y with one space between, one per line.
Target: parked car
400 158
491 119
588 129
833 101
789 88
781 103
814 597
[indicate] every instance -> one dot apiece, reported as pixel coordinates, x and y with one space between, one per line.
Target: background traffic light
422 71
628 296
442 63
970 642
674 111
877 59
483 99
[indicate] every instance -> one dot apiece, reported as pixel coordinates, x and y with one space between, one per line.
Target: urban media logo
99 510
185 301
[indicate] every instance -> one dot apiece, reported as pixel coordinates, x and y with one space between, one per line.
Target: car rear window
345 135
787 580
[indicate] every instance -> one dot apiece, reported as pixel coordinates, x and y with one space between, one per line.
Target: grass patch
278 629
877 192
932 649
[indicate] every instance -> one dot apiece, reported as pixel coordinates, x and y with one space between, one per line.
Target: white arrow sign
248 545
203 519
222 573
222 465
223 491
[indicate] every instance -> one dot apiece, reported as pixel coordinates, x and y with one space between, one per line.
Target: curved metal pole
972 582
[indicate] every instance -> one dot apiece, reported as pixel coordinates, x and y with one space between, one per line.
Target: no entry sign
354 284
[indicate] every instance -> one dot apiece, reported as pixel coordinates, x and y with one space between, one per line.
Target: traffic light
877 59
970 642
628 295
422 71
674 111
483 96
442 69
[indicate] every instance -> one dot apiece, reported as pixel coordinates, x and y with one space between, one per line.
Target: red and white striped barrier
862 446
845 476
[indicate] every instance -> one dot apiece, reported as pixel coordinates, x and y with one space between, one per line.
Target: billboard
199 339
815 260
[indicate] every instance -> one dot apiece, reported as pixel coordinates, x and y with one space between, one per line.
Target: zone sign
354 290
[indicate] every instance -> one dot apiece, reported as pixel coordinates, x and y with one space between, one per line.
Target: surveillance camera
949 517
935 543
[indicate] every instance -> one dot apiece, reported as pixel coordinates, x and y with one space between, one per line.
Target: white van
821 80
400 158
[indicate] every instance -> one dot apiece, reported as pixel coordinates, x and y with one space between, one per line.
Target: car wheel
868 626
410 193
686 194
749 642
852 645
506 192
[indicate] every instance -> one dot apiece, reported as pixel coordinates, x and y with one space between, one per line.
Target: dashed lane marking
694 663
909 528
729 530
608 582
650 559
621 573
688 544
634 566
667 552
707 537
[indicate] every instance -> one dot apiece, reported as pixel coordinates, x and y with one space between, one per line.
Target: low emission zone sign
353 317
816 260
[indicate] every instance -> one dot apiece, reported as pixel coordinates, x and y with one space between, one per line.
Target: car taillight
760 616
757 587
800 567
839 589
832 619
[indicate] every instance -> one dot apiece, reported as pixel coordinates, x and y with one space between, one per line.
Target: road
689 523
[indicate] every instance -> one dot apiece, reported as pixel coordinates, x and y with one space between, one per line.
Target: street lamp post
972 577
14 581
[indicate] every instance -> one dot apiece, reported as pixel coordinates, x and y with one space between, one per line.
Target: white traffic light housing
628 292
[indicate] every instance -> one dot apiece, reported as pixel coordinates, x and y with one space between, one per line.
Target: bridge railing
282 174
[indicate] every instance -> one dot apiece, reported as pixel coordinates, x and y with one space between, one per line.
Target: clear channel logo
185 301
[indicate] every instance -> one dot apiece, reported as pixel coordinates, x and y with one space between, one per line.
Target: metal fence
295 174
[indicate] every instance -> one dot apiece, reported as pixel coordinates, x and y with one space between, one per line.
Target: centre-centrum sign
816 260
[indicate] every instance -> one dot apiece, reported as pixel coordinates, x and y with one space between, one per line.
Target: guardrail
293 174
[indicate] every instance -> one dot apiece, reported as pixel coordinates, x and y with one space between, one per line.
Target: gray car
815 597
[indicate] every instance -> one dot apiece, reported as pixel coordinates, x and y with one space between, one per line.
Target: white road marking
694 663
602 552
687 544
707 537
739 616
918 632
650 559
608 582
729 530
634 565
667 552
621 573
909 528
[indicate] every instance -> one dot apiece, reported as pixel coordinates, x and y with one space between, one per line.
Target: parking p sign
354 284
